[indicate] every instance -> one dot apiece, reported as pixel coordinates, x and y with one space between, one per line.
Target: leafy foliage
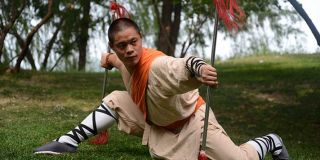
195 28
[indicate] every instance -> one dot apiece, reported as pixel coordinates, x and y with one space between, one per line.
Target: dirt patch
274 97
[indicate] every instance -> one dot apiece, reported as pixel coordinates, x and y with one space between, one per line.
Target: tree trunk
30 35
175 27
31 60
15 12
57 61
84 36
50 45
22 44
168 26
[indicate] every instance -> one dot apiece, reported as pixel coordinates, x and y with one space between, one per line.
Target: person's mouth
131 57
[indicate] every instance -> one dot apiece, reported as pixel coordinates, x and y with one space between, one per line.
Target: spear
202 155
232 16
118 11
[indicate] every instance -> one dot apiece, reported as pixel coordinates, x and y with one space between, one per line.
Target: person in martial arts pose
162 105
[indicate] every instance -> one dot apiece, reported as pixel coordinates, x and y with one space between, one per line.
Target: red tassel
119 11
230 13
101 138
202 156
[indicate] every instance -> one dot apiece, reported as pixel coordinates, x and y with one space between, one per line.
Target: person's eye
121 46
133 42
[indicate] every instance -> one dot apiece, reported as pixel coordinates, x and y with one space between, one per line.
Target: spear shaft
213 52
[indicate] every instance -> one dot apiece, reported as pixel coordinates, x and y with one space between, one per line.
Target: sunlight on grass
276 61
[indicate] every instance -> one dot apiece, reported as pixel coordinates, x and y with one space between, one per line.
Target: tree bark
30 35
168 26
57 61
84 36
50 45
15 12
22 44
175 27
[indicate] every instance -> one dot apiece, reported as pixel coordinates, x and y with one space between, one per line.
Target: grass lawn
257 95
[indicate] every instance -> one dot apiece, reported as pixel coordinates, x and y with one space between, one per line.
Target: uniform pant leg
131 120
219 146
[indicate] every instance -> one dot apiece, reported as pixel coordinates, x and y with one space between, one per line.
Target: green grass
257 95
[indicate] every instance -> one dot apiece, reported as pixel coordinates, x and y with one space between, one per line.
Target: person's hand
208 76
109 60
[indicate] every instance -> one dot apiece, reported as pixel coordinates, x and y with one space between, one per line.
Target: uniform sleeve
170 76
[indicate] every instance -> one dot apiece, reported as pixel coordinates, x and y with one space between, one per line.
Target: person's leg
131 119
101 118
220 146
270 143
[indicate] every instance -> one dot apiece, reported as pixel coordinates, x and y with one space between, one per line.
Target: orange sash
140 78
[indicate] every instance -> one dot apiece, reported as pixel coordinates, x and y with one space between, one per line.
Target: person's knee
115 94
113 97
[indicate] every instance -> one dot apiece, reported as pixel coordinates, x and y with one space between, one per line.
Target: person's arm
205 73
110 60
180 75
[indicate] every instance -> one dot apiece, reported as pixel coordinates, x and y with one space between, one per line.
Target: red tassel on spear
230 13
118 11
101 138
233 17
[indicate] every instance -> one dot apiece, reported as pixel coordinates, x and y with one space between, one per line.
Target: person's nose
130 50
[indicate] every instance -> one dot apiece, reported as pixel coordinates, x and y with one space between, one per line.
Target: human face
128 46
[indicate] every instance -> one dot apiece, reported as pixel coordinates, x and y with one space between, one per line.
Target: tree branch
50 45
6 28
196 28
34 30
22 44
58 60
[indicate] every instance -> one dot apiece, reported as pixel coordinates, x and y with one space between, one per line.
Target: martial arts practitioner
162 105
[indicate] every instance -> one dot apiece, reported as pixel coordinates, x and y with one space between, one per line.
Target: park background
50 77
